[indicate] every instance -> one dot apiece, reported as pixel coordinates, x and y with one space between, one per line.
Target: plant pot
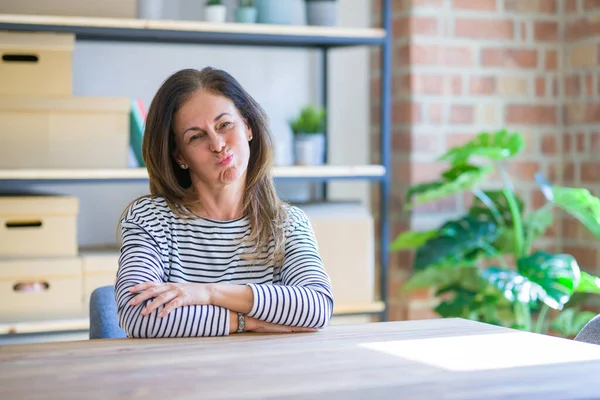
150 9
246 15
216 14
321 12
309 149
275 11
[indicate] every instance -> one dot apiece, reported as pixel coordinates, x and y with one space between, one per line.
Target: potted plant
484 265
246 12
275 11
215 11
309 136
321 12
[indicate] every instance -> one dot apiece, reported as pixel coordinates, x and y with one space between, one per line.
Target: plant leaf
570 321
581 204
498 199
459 242
514 286
410 240
557 274
468 277
588 284
537 222
455 180
497 146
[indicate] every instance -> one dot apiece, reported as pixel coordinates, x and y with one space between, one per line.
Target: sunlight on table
485 352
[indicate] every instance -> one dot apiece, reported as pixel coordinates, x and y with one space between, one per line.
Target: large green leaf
496 146
557 274
455 180
549 278
460 242
410 240
580 203
536 223
588 284
570 321
499 204
468 277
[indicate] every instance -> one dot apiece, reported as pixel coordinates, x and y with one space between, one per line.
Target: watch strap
241 322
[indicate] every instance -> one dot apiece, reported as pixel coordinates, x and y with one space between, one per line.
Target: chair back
104 320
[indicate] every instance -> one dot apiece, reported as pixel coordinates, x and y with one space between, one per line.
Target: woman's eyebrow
218 117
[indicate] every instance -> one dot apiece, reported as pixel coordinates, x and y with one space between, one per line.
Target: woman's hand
256 325
171 295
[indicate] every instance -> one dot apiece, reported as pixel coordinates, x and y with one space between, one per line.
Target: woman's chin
230 175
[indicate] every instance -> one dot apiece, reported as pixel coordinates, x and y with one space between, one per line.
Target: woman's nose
216 143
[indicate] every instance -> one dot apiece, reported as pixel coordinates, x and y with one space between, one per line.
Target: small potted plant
309 136
321 12
215 11
246 12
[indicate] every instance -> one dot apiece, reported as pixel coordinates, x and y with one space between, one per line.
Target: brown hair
260 203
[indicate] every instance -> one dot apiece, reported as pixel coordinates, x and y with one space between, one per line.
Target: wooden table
432 359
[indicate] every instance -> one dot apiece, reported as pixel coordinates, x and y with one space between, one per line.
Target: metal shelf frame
321 39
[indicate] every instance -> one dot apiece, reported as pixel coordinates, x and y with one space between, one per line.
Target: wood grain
327 364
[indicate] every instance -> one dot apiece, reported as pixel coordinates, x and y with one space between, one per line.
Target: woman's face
212 139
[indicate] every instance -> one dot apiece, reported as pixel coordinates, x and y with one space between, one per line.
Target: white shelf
287 172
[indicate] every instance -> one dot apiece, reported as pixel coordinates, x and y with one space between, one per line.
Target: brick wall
465 66
581 138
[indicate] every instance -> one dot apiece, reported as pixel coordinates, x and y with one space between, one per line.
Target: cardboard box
40 289
82 8
35 63
64 132
38 226
99 269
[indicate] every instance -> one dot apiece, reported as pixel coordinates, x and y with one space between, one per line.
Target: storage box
40 289
64 132
344 232
35 63
85 8
99 269
38 226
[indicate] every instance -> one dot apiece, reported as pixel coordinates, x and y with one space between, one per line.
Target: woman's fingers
163 298
151 292
173 304
142 286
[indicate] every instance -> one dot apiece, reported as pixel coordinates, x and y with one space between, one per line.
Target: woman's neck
224 203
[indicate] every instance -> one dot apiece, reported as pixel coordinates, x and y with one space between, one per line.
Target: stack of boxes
43 126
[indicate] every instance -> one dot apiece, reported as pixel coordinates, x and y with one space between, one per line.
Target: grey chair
590 333
104 321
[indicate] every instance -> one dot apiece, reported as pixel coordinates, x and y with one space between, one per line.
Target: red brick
451 56
426 171
407 141
589 85
415 25
540 87
555 86
571 5
549 144
509 58
543 6
569 171
436 113
580 137
551 60
523 170
572 86
582 28
458 139
462 114
458 56
477 28
479 5
545 31
456 84
409 4
582 113
482 85
587 257
589 5
590 172
406 113
401 85
528 114
427 84
445 205
595 142
402 57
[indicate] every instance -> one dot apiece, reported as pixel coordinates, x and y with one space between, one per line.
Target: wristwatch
241 323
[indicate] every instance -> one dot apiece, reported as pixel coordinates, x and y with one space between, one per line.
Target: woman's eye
197 136
225 125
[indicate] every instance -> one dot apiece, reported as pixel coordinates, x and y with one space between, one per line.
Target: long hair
261 204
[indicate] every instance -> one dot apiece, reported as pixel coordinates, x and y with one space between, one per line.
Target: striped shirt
159 246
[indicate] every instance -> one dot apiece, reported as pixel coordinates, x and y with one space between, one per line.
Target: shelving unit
322 39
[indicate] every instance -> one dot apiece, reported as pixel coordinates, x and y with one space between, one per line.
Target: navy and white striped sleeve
305 296
140 261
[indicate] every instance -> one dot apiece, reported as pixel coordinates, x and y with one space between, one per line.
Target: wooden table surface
368 361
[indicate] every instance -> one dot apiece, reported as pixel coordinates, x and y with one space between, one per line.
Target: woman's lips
225 160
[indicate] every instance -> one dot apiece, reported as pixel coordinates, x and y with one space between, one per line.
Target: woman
212 250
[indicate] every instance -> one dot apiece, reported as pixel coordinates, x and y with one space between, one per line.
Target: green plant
467 260
246 3
310 121
213 3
